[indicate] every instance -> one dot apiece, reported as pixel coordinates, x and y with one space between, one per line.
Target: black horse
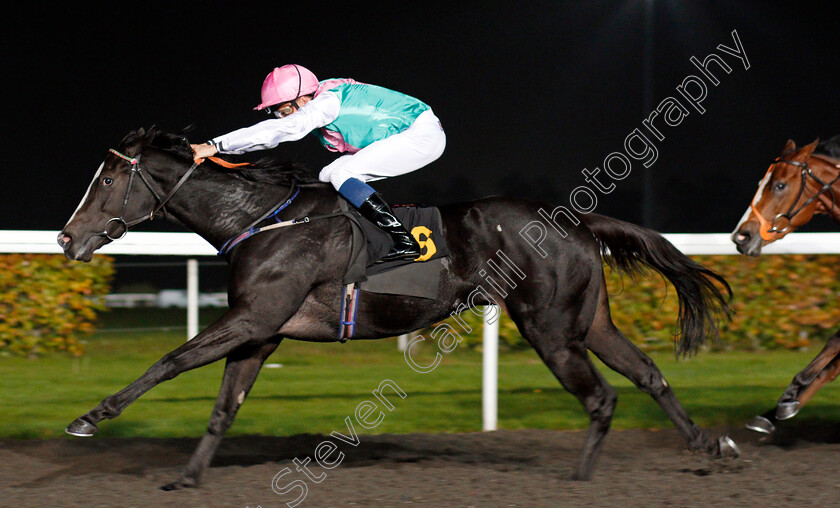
287 283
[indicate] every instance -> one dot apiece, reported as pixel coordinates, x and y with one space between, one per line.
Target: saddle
418 278
370 244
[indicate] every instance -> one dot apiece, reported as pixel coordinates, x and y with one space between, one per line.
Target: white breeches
402 153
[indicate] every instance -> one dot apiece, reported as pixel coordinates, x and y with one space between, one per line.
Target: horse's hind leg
561 347
822 369
577 374
621 355
572 367
241 371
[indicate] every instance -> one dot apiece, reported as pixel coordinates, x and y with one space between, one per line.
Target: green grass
319 385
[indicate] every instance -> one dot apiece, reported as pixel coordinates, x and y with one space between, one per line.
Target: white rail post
490 366
192 298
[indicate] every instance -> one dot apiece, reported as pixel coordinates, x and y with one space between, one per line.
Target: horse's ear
150 135
131 143
790 145
809 149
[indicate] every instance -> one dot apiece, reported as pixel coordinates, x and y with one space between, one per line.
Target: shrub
780 302
47 303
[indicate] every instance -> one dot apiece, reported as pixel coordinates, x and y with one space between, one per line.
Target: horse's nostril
64 240
742 238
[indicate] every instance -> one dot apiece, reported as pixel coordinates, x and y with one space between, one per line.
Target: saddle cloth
405 277
418 278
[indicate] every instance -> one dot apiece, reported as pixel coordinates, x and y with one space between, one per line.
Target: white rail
134 243
190 244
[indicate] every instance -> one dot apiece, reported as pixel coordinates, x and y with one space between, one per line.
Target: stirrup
396 256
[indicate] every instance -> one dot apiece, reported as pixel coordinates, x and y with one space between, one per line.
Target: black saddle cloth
371 243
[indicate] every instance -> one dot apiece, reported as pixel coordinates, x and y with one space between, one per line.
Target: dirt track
506 468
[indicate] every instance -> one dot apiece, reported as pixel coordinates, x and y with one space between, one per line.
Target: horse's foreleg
827 375
822 369
241 371
213 343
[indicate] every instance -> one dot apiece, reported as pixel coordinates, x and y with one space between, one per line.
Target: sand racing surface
525 468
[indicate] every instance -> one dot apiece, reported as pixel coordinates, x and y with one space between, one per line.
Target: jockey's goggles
281 110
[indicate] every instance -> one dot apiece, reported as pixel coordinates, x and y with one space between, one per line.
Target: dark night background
529 93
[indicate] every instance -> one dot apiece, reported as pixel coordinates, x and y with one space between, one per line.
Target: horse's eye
781 186
107 181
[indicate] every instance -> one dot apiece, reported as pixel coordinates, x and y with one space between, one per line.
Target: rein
136 170
768 229
251 230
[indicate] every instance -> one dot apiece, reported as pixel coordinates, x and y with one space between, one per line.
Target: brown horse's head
796 186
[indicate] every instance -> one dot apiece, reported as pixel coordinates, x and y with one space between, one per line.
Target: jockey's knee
324 175
336 175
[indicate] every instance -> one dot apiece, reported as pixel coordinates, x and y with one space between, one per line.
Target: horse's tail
628 248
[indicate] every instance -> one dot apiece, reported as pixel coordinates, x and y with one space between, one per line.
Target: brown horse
800 183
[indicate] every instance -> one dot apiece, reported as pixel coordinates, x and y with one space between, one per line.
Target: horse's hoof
81 428
727 447
578 477
786 410
761 424
182 483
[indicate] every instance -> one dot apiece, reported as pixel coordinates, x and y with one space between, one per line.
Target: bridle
137 171
231 243
773 227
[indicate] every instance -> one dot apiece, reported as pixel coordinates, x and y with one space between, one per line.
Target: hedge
48 303
780 302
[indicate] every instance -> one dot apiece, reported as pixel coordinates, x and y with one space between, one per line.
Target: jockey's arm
320 111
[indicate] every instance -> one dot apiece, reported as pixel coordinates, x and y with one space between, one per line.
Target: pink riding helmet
287 83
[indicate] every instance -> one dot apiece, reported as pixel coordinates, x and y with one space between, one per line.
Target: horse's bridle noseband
136 170
805 171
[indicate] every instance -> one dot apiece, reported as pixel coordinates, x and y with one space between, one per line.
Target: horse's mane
268 170
830 147
272 171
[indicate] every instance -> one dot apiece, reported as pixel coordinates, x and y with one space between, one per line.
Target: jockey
382 133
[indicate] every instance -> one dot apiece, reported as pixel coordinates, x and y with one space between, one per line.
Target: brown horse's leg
213 343
800 389
827 375
621 355
241 371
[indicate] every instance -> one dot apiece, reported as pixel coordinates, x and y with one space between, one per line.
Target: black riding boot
376 210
